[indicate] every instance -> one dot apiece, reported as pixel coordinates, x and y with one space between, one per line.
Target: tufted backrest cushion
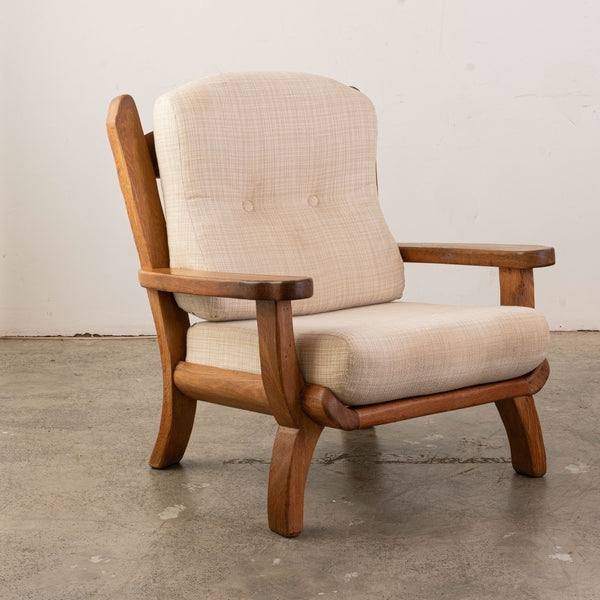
274 173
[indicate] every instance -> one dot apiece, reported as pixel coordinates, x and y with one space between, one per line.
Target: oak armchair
275 173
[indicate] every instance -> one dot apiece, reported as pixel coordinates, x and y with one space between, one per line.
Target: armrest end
487 255
227 285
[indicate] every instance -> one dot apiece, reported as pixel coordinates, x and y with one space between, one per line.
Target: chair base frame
293 447
302 410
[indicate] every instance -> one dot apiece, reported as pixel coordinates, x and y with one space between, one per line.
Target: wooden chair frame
302 410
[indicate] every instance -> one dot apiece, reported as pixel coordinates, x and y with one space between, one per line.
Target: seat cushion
389 351
274 173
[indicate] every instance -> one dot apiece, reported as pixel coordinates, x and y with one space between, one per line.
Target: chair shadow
360 456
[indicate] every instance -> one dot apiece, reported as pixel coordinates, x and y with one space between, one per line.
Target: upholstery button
313 201
247 206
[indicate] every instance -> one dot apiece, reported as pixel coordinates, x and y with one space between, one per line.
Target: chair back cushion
275 173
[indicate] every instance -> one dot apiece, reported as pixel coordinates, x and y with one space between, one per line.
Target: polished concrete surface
426 509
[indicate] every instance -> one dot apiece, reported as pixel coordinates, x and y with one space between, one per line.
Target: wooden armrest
486 255
227 285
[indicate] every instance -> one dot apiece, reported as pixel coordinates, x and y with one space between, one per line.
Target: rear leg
522 426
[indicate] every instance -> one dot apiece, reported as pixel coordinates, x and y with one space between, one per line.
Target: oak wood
222 386
300 409
322 406
290 462
245 390
138 184
297 435
524 432
282 381
178 410
400 410
281 376
518 413
226 285
152 151
516 287
488 255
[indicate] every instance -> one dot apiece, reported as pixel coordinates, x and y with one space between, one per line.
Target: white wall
489 131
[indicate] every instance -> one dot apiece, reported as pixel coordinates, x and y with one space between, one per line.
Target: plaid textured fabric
389 351
274 173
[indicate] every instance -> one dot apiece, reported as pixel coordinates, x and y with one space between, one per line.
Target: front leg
297 435
519 415
292 453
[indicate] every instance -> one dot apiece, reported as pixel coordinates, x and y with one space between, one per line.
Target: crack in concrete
330 459
449 460
246 461
414 460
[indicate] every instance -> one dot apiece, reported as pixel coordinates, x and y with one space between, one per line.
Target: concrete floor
426 509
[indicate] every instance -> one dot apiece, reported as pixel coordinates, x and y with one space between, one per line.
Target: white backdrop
489 131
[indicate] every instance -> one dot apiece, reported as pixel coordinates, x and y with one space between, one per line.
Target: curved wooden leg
292 453
176 423
178 411
522 426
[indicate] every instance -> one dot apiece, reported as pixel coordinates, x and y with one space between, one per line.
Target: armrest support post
516 287
297 434
515 264
280 371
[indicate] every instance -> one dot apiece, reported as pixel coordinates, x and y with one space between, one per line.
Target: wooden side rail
246 391
325 409
226 285
222 386
485 255
409 408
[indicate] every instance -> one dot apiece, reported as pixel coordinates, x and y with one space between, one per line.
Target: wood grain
518 413
516 287
227 285
301 410
409 408
138 184
222 386
290 462
152 151
178 410
280 371
522 425
487 255
297 435
322 406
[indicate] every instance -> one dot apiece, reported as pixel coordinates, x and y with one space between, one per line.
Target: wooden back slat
152 149
137 169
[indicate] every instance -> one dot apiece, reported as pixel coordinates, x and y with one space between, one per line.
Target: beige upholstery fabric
274 173
394 350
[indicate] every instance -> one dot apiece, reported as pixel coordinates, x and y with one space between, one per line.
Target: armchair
275 173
